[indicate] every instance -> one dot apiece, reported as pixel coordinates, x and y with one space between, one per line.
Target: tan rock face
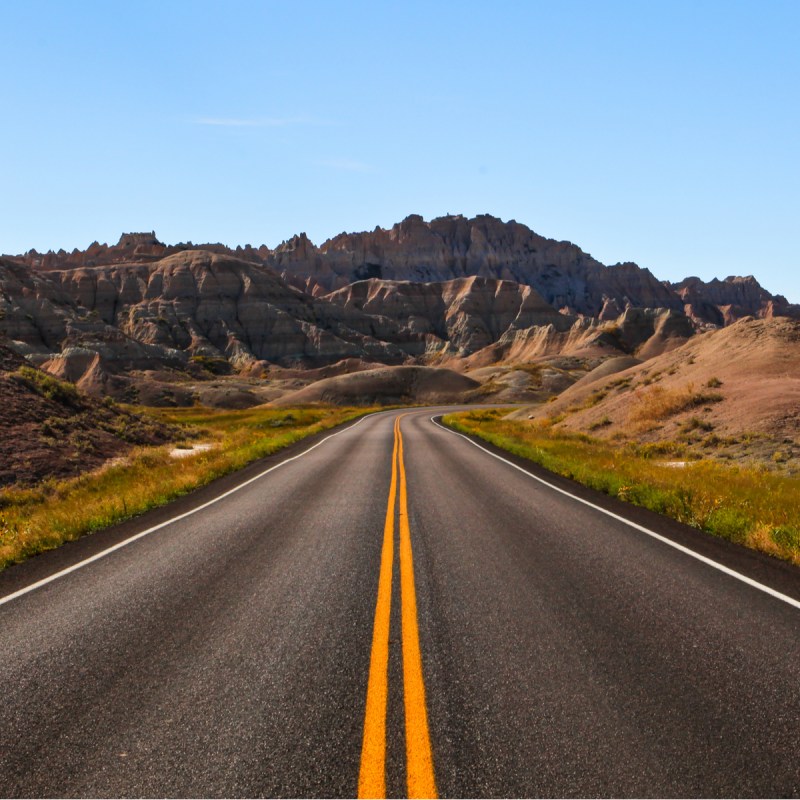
453 247
467 313
205 304
202 304
745 378
33 310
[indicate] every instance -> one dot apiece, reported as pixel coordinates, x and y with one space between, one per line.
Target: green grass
754 507
45 516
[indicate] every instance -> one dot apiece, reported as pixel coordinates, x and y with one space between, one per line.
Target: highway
394 611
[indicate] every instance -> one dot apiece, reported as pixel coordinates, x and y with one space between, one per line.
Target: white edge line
103 553
721 567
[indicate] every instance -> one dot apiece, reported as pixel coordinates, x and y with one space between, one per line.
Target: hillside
51 430
731 393
387 385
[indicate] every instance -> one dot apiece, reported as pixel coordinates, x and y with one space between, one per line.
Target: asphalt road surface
399 611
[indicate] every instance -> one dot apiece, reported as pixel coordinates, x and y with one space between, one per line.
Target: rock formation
461 315
476 290
723 302
216 306
455 247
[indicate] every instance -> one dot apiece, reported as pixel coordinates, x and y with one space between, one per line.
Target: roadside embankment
748 505
55 511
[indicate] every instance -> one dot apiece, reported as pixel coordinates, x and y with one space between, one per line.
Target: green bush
47 386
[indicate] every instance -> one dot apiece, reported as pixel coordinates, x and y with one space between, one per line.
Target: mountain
465 313
131 247
205 304
452 247
148 322
455 247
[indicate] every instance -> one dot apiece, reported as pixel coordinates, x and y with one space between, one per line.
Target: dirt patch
189 450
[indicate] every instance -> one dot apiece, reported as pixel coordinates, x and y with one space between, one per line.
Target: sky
665 133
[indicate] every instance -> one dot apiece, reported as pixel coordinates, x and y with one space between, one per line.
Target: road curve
561 652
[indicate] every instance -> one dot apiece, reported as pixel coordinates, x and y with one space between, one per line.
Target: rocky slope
462 315
194 313
52 430
386 385
452 247
732 393
216 306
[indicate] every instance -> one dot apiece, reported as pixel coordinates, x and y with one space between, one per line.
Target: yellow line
420 780
372 774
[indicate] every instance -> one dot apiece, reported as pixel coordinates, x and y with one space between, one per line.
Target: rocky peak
299 246
732 298
132 240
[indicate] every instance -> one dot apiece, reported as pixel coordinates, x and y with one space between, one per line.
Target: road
400 613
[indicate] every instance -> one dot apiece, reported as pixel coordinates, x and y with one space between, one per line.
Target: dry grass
41 518
658 403
534 370
754 507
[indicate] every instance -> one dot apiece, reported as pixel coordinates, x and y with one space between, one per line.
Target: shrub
729 524
534 370
660 403
787 537
47 386
695 423
621 383
214 365
595 397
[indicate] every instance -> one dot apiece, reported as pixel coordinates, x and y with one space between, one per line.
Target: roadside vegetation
55 511
748 505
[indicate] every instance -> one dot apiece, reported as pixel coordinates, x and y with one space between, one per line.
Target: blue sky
662 133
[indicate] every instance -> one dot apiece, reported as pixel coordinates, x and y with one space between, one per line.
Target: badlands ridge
451 310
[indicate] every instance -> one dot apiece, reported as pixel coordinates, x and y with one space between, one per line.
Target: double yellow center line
420 780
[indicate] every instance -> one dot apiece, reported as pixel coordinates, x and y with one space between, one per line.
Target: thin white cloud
345 165
259 122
